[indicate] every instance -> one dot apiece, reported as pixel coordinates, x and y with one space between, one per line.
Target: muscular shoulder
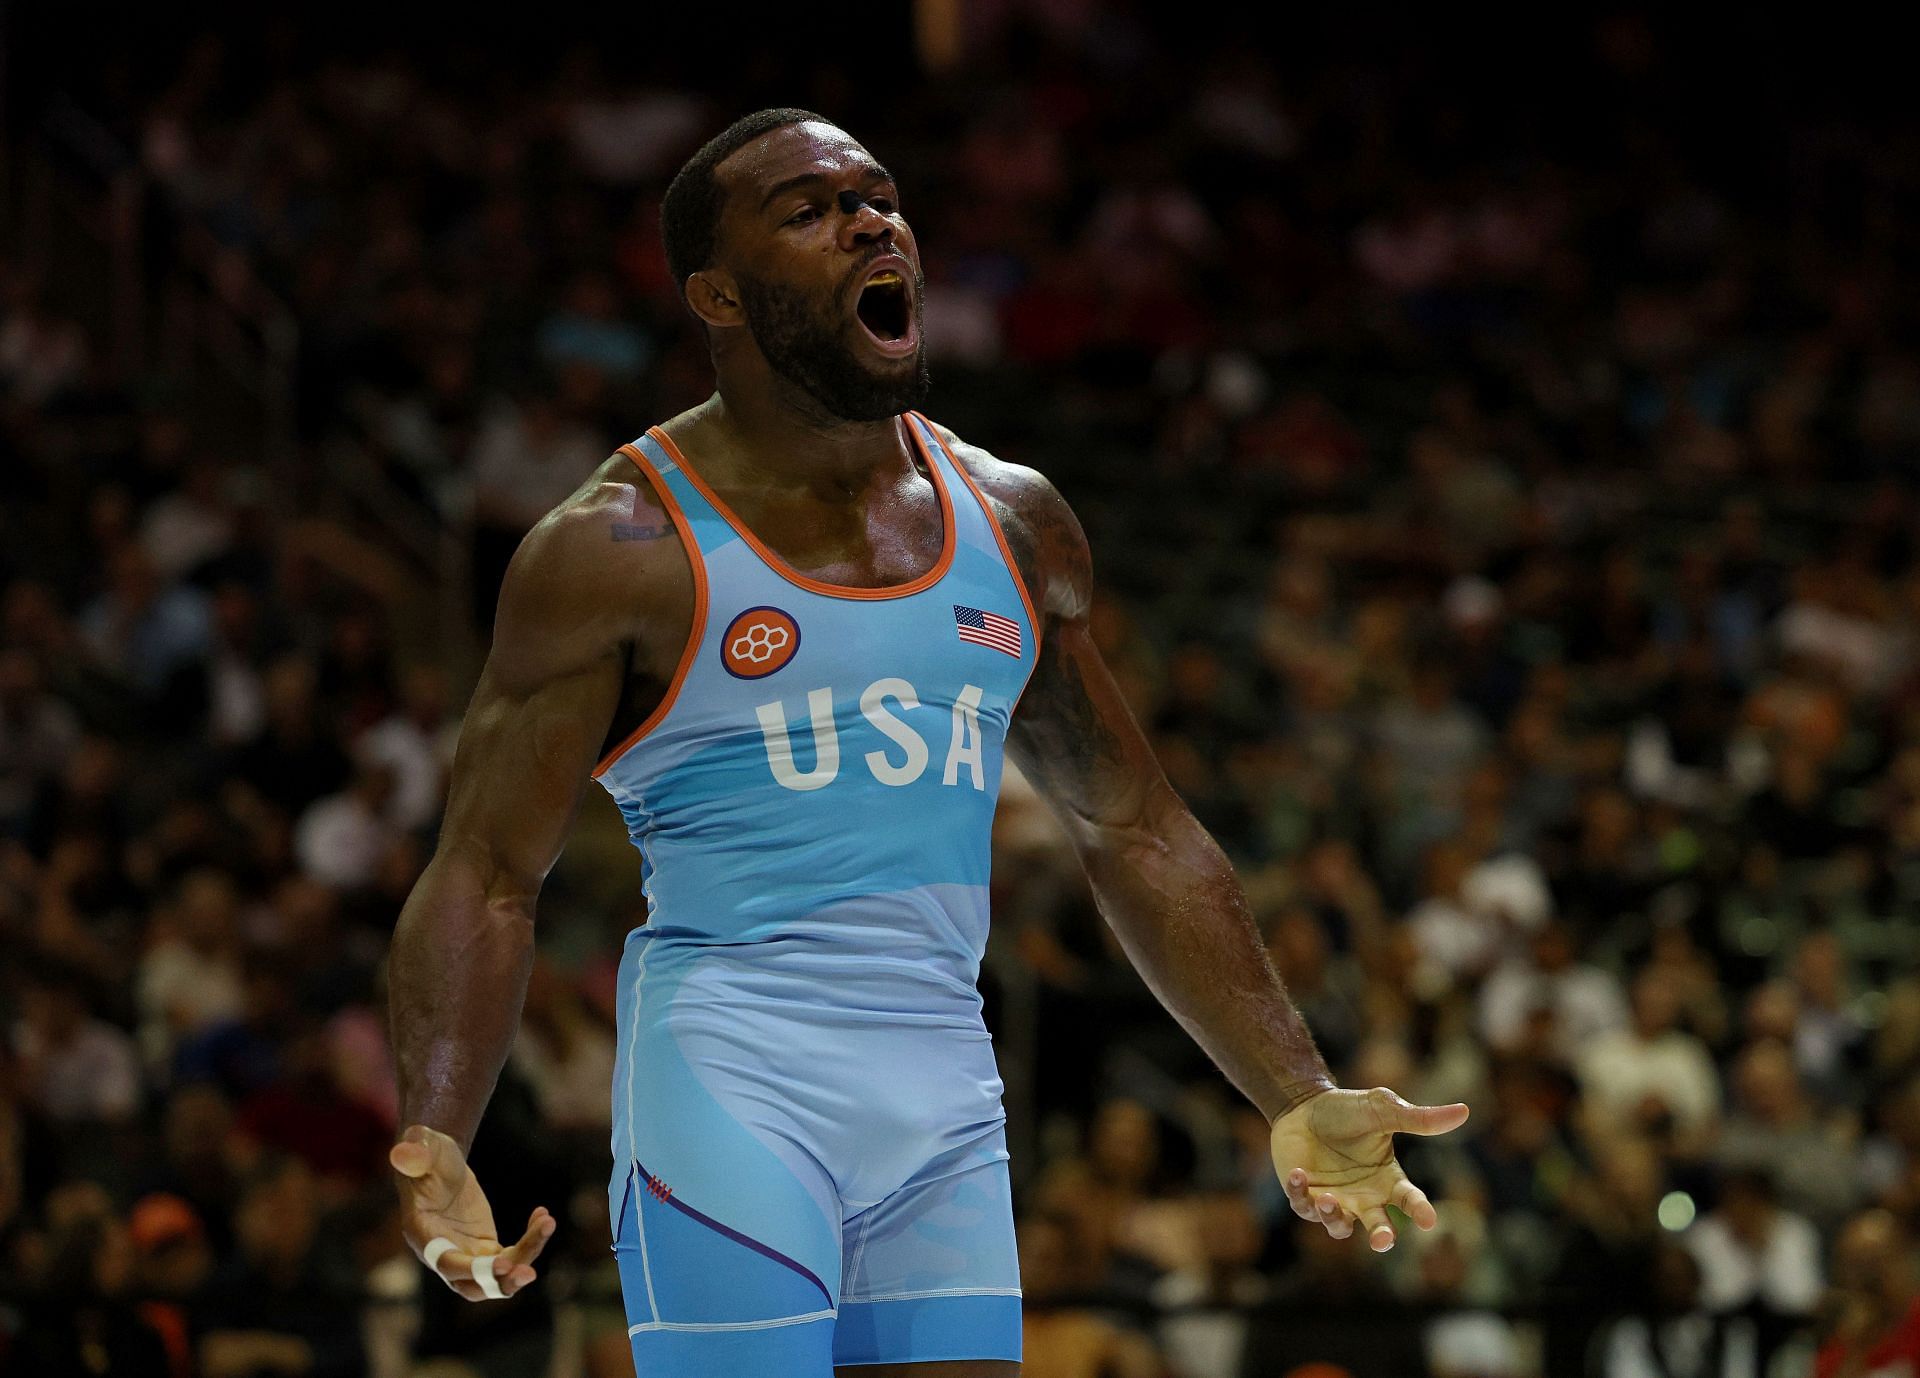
604 568
1045 536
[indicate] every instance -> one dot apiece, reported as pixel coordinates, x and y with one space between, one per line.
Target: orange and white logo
758 642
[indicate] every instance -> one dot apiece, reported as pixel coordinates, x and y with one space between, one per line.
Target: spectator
1872 1313
38 733
1651 1076
529 454
84 1324
196 1162
565 1054
172 1261
1583 1001
146 631
1754 1253
342 839
236 690
1060 1338
1677 1337
1455 1276
1196 1340
296 759
1617 1237
190 526
42 353
305 1114
1329 991
1429 738
1828 1040
77 1068
190 978
1776 1128
1111 1192
1890 1159
278 1305
1452 937
416 743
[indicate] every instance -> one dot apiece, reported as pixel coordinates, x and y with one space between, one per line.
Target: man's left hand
1334 1154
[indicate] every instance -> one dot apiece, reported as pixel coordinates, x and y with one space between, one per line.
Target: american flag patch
987 629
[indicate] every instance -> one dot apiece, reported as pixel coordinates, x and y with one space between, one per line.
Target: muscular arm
540 714
1159 880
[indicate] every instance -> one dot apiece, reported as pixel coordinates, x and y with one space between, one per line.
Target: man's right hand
440 1198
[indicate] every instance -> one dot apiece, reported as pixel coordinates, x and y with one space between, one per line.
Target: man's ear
715 298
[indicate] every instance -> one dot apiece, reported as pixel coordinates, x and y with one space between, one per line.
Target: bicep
1072 734
1075 738
519 768
539 715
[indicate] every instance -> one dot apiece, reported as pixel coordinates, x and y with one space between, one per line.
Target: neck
773 432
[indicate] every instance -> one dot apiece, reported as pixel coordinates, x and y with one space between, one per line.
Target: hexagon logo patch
758 642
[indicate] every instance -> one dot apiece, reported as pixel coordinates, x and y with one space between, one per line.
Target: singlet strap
703 523
978 516
684 525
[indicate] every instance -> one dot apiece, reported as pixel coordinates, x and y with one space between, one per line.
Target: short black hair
690 212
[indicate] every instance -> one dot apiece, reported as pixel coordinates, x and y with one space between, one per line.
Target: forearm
462 952
1170 896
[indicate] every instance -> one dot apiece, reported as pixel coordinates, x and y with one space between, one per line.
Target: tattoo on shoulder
632 531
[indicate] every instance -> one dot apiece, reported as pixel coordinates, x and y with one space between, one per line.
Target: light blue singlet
808 1140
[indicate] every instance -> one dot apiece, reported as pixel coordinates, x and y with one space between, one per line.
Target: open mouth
885 308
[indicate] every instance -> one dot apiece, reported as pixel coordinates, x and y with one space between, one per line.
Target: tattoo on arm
631 531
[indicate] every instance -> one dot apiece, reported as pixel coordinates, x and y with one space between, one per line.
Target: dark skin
595 610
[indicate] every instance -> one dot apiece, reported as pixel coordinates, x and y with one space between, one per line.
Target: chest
896 668
887 638
795 691
891 539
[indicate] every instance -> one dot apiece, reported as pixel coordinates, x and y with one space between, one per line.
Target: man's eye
801 217
883 204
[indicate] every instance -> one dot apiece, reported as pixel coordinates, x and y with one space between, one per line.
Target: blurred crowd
1503 487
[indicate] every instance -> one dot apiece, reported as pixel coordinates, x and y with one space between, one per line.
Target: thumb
1430 1119
414 1155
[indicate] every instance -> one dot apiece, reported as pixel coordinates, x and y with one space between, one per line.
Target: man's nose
867 227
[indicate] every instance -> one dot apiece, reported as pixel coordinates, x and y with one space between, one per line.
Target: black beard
809 350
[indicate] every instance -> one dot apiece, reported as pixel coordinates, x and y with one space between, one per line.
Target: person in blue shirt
791 632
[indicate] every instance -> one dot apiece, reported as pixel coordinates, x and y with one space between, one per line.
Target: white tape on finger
436 1246
483 1274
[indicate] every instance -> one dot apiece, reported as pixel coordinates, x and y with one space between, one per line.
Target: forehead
789 151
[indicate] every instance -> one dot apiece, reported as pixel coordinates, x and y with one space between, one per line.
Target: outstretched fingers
491 1276
469 1273
540 1228
1322 1208
1325 1208
507 1269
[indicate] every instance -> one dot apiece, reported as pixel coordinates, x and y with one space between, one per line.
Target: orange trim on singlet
699 629
1013 565
793 576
